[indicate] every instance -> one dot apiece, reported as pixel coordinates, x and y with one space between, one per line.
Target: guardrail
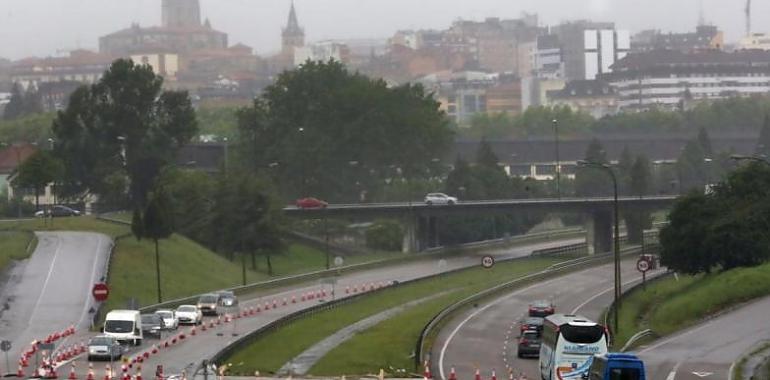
555 269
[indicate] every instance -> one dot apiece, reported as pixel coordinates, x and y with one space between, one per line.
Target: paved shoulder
51 290
708 350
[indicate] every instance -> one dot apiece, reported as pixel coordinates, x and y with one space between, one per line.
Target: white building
670 79
759 41
602 48
322 51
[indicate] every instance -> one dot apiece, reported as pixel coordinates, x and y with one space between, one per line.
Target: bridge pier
411 240
420 233
599 232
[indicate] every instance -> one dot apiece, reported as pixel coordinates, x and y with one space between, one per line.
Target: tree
158 224
625 164
705 142
315 120
15 107
37 172
485 156
247 219
639 184
691 167
125 124
590 181
683 242
763 144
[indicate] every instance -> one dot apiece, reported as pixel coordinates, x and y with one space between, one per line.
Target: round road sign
642 265
487 262
5 345
100 291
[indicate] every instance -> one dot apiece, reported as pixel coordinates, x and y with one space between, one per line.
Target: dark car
58 211
310 202
152 324
529 344
227 298
208 303
541 308
531 323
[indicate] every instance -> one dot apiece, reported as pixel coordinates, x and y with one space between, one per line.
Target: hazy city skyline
50 27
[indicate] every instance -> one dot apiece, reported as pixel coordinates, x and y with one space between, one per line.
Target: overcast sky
43 27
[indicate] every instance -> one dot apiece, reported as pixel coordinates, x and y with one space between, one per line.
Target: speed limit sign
643 265
487 262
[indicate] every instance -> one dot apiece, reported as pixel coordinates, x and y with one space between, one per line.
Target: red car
541 308
310 203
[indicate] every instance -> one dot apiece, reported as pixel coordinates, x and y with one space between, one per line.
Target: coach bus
568 346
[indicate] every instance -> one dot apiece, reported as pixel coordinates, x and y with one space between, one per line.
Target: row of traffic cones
477 376
365 288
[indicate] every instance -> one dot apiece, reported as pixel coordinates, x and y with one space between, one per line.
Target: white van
124 325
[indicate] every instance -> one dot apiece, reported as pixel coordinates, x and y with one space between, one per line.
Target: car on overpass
310 202
439 199
57 211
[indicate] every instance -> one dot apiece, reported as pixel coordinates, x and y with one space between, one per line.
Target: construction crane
748 17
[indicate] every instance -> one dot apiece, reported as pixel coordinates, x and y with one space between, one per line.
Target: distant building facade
759 41
322 51
586 49
705 37
593 97
668 79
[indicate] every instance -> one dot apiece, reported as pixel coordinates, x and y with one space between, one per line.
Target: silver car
439 199
104 347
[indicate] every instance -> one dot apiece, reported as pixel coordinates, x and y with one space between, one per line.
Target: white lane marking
474 314
96 258
730 371
672 374
597 295
47 278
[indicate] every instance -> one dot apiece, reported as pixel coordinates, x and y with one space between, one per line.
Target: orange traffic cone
275 304
72 375
347 290
107 372
452 374
427 373
90 375
494 375
138 373
20 372
293 299
284 302
478 375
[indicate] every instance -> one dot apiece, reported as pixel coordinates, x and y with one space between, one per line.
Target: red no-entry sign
100 291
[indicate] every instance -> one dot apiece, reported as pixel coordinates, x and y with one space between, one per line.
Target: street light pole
617 235
301 131
558 160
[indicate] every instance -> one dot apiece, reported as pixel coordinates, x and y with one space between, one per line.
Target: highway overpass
422 220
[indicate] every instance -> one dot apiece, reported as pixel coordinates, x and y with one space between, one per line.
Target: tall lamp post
558 159
609 170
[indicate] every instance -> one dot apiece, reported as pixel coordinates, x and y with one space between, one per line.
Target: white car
189 315
170 322
439 199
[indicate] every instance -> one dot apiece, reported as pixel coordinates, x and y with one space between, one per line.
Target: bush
385 235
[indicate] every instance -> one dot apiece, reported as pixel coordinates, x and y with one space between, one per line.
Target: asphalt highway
186 355
708 350
52 289
486 337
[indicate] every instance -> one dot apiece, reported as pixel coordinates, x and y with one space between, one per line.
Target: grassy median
15 245
674 303
395 340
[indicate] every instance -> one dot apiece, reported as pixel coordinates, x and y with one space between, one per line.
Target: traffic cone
107 372
155 349
267 305
211 324
452 374
347 290
259 310
323 293
138 373
52 373
219 320
165 344
25 362
90 375
72 375
159 373
182 336
20 372
522 376
192 331
293 299
284 302
494 375
355 289
203 327
478 375
510 375
125 375
427 373
275 304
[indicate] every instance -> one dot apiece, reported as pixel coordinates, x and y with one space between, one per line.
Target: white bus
568 346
